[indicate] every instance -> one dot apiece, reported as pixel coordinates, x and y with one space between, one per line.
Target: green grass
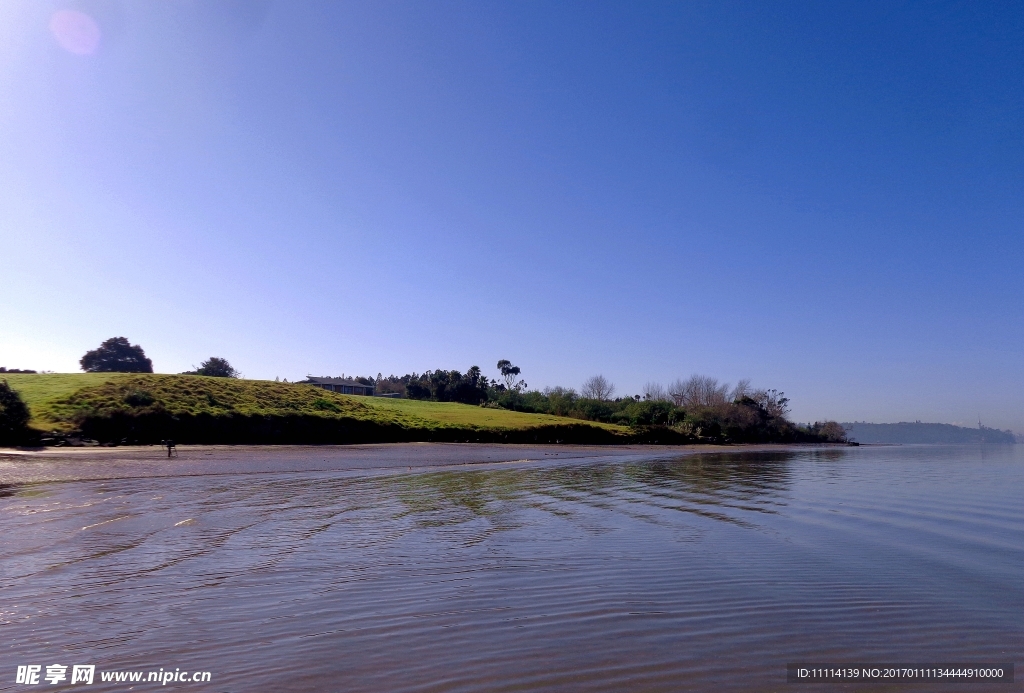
145 407
36 389
464 414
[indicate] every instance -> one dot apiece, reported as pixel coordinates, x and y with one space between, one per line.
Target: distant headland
909 433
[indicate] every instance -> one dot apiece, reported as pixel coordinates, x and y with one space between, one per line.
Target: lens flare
75 31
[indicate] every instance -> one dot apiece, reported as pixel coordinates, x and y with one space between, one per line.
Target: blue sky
822 197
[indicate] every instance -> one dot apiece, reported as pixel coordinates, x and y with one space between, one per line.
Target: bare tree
698 391
597 387
741 390
677 392
655 392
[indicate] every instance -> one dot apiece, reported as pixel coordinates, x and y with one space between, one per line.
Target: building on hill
344 386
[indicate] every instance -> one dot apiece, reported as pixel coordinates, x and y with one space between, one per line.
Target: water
406 568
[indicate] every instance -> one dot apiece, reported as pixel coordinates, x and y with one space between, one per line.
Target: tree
415 389
440 385
511 375
14 416
772 401
830 431
655 392
597 387
472 387
217 368
741 390
698 391
116 355
650 412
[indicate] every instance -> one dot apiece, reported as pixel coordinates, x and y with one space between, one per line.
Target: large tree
116 355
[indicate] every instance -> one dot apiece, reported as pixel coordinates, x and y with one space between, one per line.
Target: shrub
325 405
138 398
14 416
648 413
216 367
829 431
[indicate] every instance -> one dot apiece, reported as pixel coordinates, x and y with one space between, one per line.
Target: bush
648 413
14 416
593 409
325 405
138 398
829 431
216 367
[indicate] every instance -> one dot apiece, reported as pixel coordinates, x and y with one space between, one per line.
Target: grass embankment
144 408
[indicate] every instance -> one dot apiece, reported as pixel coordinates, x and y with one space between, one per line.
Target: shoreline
128 462
145 409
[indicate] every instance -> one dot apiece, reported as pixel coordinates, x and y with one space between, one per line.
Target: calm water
640 572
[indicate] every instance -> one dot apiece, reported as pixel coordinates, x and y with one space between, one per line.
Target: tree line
698 408
471 387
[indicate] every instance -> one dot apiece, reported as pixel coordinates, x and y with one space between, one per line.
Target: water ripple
696 572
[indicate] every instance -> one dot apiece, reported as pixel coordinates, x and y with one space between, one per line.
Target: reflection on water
707 485
703 572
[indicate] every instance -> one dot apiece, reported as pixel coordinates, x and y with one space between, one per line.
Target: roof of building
334 381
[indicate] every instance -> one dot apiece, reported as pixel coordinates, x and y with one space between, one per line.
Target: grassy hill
146 408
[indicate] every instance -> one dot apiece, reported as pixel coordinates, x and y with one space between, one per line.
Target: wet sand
81 463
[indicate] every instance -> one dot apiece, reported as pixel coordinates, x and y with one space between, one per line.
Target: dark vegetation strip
153 427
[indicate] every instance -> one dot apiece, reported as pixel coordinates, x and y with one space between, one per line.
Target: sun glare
75 31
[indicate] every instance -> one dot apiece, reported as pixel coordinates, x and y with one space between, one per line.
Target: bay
506 568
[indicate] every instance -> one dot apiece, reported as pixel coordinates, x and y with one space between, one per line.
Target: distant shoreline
138 409
919 433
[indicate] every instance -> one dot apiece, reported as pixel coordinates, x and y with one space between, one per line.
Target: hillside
144 408
920 433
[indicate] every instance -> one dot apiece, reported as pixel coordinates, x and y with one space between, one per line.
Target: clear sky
823 197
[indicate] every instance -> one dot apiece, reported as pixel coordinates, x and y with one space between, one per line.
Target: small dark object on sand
169 444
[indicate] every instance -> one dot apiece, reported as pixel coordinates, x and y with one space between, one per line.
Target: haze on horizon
824 198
